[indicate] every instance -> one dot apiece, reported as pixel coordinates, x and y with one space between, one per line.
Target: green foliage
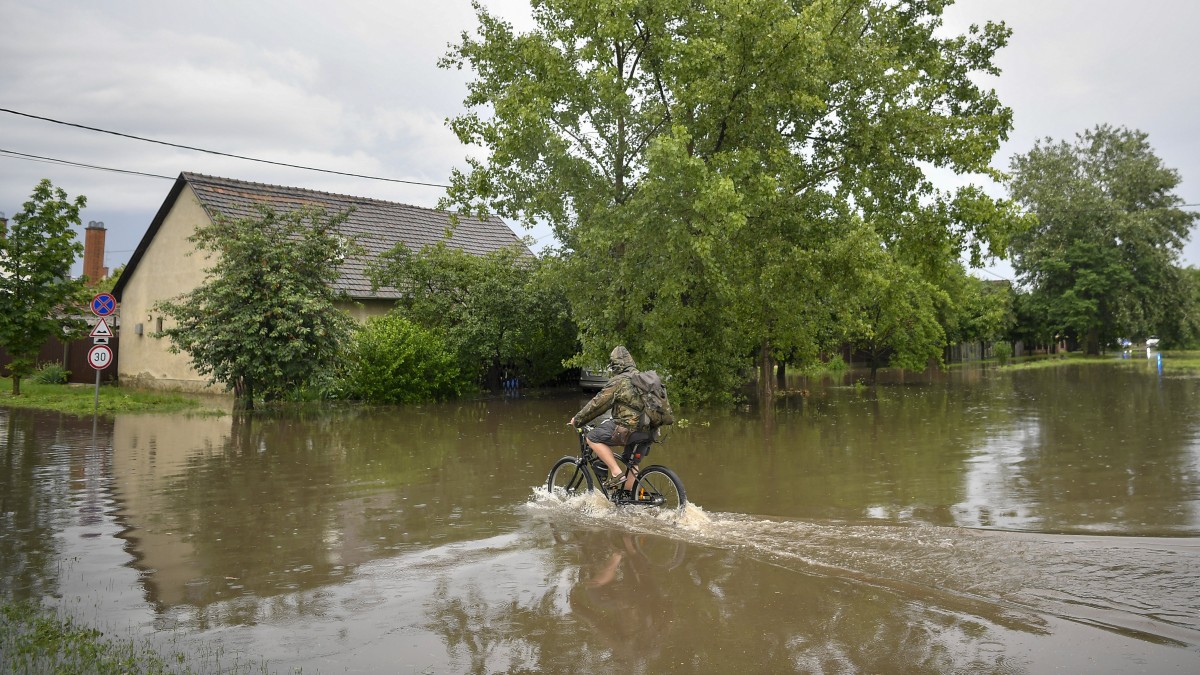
713 167
51 373
393 360
499 312
890 313
1003 352
1100 264
109 282
38 299
264 323
1180 328
977 310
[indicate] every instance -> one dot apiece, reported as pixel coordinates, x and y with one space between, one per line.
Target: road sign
99 357
104 304
101 330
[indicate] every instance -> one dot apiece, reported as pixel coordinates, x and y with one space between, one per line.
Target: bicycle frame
589 457
586 472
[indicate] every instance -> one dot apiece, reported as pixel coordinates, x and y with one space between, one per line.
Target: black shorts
607 433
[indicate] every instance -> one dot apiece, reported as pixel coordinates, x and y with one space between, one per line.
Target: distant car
1151 342
592 379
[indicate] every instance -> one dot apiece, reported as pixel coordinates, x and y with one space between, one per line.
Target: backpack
656 409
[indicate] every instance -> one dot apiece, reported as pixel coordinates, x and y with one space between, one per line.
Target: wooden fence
72 356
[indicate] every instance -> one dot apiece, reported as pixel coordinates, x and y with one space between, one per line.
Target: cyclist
621 430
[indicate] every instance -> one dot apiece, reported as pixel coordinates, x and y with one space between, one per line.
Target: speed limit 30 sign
99 357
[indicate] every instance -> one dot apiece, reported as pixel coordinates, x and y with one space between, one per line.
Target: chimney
93 253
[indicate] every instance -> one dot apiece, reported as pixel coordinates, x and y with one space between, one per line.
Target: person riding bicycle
621 396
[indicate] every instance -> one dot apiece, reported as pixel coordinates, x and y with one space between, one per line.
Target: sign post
100 355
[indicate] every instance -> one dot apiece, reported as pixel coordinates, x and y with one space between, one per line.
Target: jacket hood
620 360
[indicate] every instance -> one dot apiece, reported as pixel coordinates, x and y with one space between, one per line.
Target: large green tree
1181 325
703 162
38 298
1101 262
264 323
890 313
499 311
977 310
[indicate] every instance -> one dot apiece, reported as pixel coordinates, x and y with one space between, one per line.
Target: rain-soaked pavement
972 521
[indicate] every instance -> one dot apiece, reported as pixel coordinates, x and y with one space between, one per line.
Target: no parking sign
100 356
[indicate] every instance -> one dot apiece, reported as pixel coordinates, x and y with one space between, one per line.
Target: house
161 267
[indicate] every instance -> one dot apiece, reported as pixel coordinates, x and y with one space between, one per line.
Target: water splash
1083 579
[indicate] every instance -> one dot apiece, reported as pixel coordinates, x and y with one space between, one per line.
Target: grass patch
1182 360
79 399
34 639
1185 361
1057 360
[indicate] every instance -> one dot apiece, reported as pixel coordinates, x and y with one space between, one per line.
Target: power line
986 270
217 152
53 160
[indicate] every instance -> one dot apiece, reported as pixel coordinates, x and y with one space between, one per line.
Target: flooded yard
968 521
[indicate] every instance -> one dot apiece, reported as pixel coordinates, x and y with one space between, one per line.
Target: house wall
361 310
165 271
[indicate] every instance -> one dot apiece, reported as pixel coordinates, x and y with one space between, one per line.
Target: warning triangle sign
102 329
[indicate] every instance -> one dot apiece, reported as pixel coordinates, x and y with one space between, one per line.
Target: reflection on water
828 533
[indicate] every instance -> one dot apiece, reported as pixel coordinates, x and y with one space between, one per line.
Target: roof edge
148 237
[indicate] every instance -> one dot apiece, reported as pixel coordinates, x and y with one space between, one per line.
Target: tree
1100 264
699 160
1181 325
978 311
109 282
38 298
497 310
393 360
891 316
264 323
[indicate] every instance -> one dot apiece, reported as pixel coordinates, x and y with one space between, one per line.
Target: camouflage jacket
619 394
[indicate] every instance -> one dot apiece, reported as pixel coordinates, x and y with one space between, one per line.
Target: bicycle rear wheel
659 486
568 478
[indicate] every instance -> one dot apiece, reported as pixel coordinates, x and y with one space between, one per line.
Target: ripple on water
1144 587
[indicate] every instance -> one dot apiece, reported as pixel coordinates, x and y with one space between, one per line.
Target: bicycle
653 486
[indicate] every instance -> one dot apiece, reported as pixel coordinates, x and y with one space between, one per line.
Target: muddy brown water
968 521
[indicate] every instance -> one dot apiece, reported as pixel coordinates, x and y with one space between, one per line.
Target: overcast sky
354 86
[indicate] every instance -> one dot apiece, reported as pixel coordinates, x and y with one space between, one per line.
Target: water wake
1143 587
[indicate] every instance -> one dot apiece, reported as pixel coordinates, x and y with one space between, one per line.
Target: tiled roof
375 225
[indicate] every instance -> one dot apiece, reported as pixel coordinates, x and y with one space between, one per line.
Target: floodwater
975 521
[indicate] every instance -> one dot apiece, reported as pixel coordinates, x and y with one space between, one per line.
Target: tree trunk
781 376
16 384
766 374
493 375
1093 342
243 394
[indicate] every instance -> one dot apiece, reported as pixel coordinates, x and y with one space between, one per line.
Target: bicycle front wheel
659 486
568 478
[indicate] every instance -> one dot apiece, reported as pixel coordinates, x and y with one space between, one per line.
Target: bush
393 360
1002 351
50 373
